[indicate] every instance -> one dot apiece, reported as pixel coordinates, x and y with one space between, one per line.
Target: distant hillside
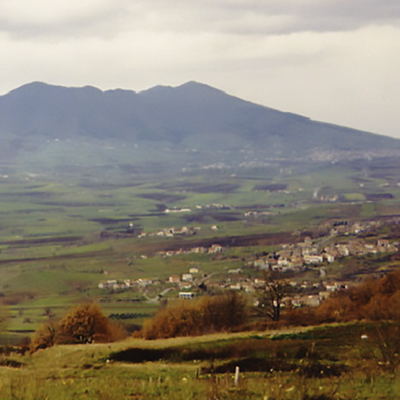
37 118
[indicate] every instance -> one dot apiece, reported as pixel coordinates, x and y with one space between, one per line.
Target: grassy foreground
320 363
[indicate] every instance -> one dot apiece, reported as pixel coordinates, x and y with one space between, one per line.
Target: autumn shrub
182 319
85 324
117 331
374 300
226 312
45 336
303 316
389 284
337 308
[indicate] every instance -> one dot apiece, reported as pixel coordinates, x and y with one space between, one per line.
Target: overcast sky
332 60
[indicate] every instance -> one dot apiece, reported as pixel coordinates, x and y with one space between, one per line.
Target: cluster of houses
114 285
346 228
298 256
292 257
307 293
213 249
171 232
351 228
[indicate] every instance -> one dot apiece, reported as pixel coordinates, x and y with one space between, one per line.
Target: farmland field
59 238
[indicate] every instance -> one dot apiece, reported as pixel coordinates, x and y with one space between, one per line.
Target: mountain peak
31 87
197 86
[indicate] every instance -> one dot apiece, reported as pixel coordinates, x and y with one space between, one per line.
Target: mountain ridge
192 116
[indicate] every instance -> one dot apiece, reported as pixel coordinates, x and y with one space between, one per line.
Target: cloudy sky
332 60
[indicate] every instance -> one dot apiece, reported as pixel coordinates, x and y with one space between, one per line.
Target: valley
207 235
60 239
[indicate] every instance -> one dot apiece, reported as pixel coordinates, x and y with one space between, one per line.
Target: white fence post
236 376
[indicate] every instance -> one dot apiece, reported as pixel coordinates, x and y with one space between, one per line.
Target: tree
269 299
181 319
48 312
225 312
84 324
45 336
383 335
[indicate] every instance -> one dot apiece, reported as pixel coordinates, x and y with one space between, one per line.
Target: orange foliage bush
303 316
225 312
84 324
45 336
375 300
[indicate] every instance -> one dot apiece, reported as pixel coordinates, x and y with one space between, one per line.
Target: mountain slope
192 116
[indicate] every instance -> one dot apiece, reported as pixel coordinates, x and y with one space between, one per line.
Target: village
343 240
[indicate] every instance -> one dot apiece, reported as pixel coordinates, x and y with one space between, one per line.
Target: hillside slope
192 117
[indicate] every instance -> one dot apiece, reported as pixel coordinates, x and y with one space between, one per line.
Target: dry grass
82 371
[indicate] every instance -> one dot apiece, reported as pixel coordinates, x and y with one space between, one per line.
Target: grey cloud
238 17
310 15
273 16
96 21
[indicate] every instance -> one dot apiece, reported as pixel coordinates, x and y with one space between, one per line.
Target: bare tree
381 343
382 340
269 298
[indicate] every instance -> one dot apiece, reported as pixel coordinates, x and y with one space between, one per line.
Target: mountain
37 118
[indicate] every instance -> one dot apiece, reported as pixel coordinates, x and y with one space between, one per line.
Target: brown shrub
337 308
389 284
375 300
225 312
45 336
303 316
117 331
182 319
84 324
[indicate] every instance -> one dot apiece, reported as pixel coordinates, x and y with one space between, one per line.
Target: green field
52 254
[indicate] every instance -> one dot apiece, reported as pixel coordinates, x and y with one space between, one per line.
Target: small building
174 279
261 263
198 250
383 242
187 277
215 248
235 286
235 271
343 250
128 283
186 295
330 258
313 259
